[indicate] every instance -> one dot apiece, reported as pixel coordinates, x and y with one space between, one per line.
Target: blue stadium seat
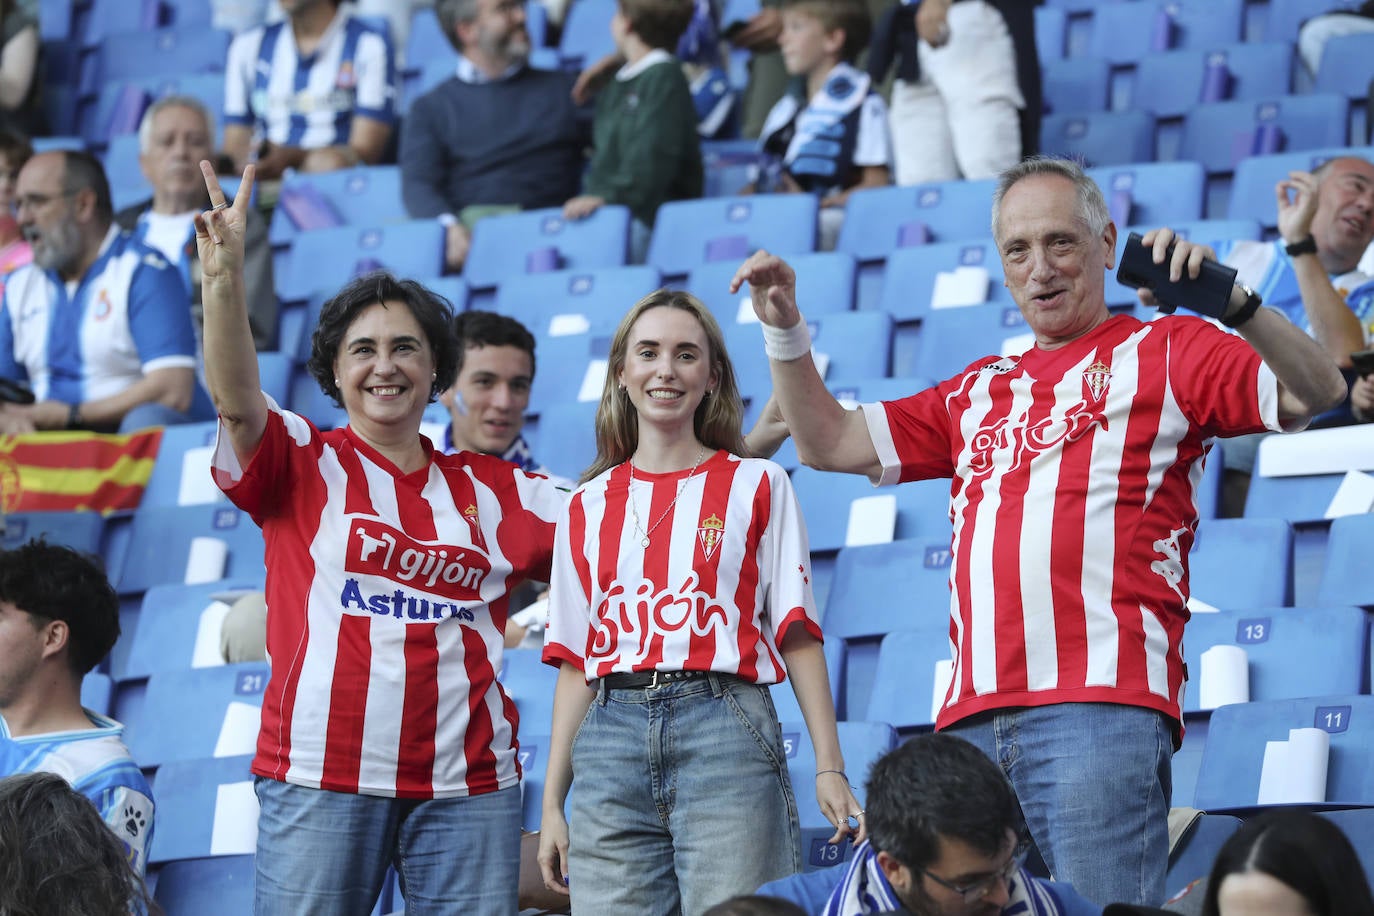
1152 193
529 682
861 743
160 543
904 679
1220 134
1125 32
1252 186
542 240
171 620
188 806
878 221
54 22
869 390
1297 499
108 17
602 296
128 186
856 343
454 289
427 42
1286 16
274 374
1170 83
1099 138
1076 84
1232 760
951 339
728 165
97 692
213 887
82 531
1345 66
1262 547
1193 856
163 52
326 258
534 763
910 277
165 485
587 33
1346 578
566 437
366 195
120 104
1293 652
922 510
688 233
188 714
1051 26
1358 826
181 13
825 284
307 400
563 364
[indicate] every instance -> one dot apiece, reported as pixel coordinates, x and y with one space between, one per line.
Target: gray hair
451 13
145 126
1092 207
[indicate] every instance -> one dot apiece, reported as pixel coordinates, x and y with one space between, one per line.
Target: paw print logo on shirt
134 821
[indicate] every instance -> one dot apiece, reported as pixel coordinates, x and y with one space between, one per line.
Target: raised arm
827 436
231 362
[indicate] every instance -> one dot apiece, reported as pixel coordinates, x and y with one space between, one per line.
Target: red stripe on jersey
1067 546
420 711
747 635
608 552
1009 606
481 761
348 706
661 518
719 478
357 496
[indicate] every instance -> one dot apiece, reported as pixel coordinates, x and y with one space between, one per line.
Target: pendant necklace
682 485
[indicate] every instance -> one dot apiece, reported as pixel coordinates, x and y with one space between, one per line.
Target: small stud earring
337 383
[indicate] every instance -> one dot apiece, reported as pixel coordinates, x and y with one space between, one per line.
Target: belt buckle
653 684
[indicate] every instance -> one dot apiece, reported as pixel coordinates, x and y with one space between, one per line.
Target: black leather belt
639 680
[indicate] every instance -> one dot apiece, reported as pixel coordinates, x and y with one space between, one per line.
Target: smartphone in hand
1209 294
1363 361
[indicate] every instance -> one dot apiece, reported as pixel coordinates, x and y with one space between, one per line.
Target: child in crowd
833 138
645 137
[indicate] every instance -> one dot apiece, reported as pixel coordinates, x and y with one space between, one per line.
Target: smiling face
1343 225
667 368
385 368
1054 262
488 401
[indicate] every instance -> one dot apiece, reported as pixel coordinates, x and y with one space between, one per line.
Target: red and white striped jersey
1074 505
387 598
726 572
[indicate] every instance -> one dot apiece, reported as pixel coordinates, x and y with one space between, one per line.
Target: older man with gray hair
176 133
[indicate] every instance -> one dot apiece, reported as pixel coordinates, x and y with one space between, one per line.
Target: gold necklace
634 509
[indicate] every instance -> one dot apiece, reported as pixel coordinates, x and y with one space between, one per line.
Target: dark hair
850 15
1305 851
432 311
57 583
81 170
658 23
937 786
755 905
15 147
58 856
451 13
488 329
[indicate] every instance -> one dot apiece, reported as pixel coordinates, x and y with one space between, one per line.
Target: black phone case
1363 361
1209 294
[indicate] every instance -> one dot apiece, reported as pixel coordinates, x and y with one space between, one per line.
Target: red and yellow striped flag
63 471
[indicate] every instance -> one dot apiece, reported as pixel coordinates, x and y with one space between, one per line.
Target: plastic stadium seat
1152 193
1298 499
128 186
692 232
160 543
1346 578
198 712
213 887
274 374
905 676
82 531
178 623
861 743
529 682
910 279
601 296
922 511
198 798
1099 138
880 220
1220 134
157 53
1170 83
1123 33
1050 29
1263 547
1252 186
427 42
1286 16
1073 6
97 692
368 195
1358 826
728 165
1293 652
534 763
587 32
563 366
951 339
176 477
326 258
1192 858
856 343
1076 84
1345 66
120 104
825 284
1233 758
870 390
566 437
537 241
107 17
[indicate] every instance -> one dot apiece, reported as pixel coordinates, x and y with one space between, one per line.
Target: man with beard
176 133
498 135
97 325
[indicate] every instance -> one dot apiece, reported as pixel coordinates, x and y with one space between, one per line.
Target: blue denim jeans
322 852
680 799
1093 780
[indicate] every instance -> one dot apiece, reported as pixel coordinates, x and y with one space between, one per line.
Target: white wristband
787 344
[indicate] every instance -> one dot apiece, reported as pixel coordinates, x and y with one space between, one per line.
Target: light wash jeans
1094 781
322 852
680 799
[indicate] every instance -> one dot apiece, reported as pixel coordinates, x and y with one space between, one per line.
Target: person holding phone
1073 469
1362 391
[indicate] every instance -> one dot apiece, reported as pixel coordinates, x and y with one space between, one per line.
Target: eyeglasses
979 889
36 201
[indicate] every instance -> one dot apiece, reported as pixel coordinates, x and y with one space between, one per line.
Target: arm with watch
1309 382
1334 325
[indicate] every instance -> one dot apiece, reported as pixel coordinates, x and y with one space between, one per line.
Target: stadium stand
688 233
538 241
